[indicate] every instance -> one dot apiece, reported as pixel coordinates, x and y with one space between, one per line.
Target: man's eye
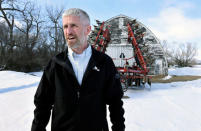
73 25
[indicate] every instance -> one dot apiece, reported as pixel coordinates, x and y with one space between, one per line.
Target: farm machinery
135 75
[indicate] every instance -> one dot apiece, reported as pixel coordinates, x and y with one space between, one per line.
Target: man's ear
88 29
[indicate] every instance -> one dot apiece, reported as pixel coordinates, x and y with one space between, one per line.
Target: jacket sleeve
114 95
43 101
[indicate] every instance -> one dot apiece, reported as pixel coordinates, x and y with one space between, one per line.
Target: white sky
171 24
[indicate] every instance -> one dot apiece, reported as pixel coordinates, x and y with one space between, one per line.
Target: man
78 84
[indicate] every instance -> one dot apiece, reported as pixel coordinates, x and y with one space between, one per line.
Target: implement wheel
124 83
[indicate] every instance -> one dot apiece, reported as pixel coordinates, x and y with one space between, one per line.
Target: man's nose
69 30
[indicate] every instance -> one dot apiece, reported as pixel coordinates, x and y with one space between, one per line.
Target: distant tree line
28 39
182 55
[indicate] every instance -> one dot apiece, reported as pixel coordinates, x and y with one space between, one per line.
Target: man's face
75 31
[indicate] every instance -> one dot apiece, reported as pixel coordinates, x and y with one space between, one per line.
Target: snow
194 71
167 77
16 100
36 73
167 107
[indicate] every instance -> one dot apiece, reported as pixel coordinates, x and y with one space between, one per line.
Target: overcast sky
172 20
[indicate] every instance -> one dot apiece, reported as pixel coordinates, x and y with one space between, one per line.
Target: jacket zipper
78 95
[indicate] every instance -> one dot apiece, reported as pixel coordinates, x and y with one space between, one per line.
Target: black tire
124 83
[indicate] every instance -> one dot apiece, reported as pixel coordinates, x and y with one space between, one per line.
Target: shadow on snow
9 89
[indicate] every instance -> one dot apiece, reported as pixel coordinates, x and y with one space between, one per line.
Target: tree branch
10 9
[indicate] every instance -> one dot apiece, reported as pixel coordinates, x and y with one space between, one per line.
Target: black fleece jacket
79 107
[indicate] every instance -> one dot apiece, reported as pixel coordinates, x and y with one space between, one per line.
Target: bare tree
3 41
20 34
9 9
55 28
184 55
180 54
168 51
28 36
31 25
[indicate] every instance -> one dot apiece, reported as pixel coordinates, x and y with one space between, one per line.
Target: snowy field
167 107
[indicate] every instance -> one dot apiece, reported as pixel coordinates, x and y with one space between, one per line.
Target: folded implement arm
137 73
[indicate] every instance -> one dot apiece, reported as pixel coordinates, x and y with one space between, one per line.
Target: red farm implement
136 75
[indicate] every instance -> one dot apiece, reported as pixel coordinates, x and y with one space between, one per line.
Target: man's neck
79 50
